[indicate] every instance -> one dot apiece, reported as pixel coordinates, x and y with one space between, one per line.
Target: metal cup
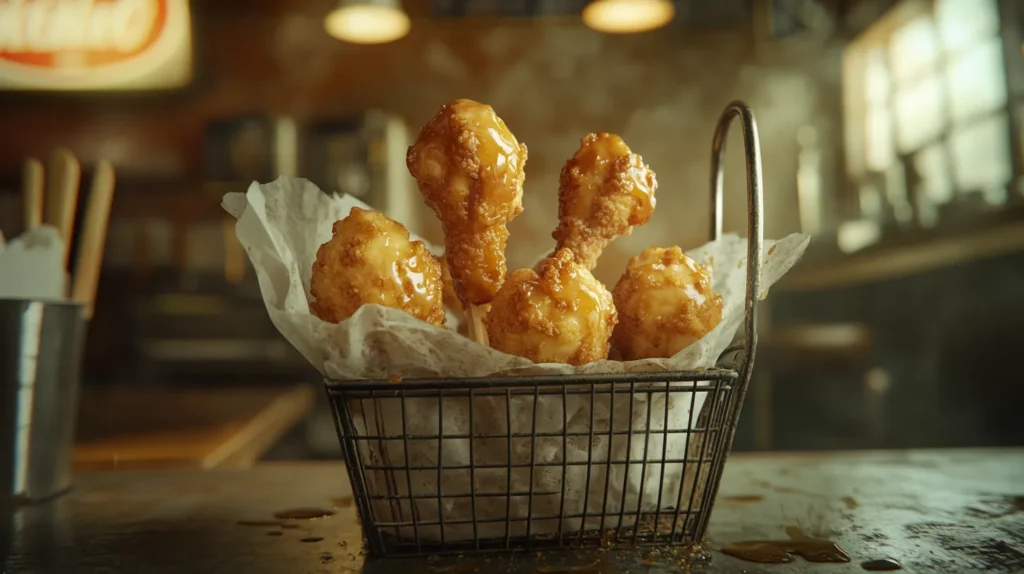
41 344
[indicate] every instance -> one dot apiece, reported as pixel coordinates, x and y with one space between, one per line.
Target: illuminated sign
94 44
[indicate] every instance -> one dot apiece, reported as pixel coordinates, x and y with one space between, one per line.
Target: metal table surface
934 511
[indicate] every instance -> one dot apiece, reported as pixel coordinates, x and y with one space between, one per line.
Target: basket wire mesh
499 463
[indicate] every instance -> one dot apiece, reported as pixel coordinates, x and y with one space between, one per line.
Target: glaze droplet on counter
882 565
303 514
782 551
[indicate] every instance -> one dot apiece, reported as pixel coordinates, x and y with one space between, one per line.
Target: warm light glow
367 22
628 16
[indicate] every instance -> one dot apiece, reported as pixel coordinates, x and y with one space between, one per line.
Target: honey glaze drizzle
603 156
782 551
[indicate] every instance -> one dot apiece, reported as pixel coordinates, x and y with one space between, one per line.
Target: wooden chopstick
89 262
62 195
477 330
32 193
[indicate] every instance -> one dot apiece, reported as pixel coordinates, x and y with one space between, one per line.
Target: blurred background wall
552 80
899 328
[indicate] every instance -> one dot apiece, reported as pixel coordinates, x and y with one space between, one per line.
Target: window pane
896 194
926 210
981 154
919 114
933 170
855 235
977 80
913 50
870 202
960 21
1018 133
878 140
876 78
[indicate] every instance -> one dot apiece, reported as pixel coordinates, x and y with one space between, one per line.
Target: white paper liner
32 265
281 225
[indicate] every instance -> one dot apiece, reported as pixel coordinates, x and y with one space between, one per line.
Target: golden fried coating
561 314
469 168
369 259
665 303
605 190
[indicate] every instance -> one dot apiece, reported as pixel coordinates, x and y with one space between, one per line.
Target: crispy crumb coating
604 191
665 303
469 168
559 314
370 259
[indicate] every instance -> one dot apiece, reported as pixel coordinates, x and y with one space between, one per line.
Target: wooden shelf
126 428
890 262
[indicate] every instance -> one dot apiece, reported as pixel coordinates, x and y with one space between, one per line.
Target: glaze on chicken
604 191
469 168
559 314
370 259
665 303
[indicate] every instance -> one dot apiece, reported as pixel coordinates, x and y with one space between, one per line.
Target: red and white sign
94 44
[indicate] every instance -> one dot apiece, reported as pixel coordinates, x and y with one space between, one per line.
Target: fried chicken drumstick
559 314
665 303
469 168
605 190
370 259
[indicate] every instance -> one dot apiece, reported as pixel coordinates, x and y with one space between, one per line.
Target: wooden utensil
86 276
32 193
477 330
62 195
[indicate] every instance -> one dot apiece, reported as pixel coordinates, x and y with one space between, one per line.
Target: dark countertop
934 511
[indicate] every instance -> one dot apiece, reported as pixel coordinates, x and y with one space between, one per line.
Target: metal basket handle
755 218
755 238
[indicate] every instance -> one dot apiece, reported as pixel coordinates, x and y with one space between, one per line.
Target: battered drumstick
469 168
605 190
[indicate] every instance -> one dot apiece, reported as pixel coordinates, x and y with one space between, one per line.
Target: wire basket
464 465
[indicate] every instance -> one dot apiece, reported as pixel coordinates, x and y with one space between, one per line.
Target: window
926 104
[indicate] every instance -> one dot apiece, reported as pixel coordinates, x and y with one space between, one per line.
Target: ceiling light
628 16
367 21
